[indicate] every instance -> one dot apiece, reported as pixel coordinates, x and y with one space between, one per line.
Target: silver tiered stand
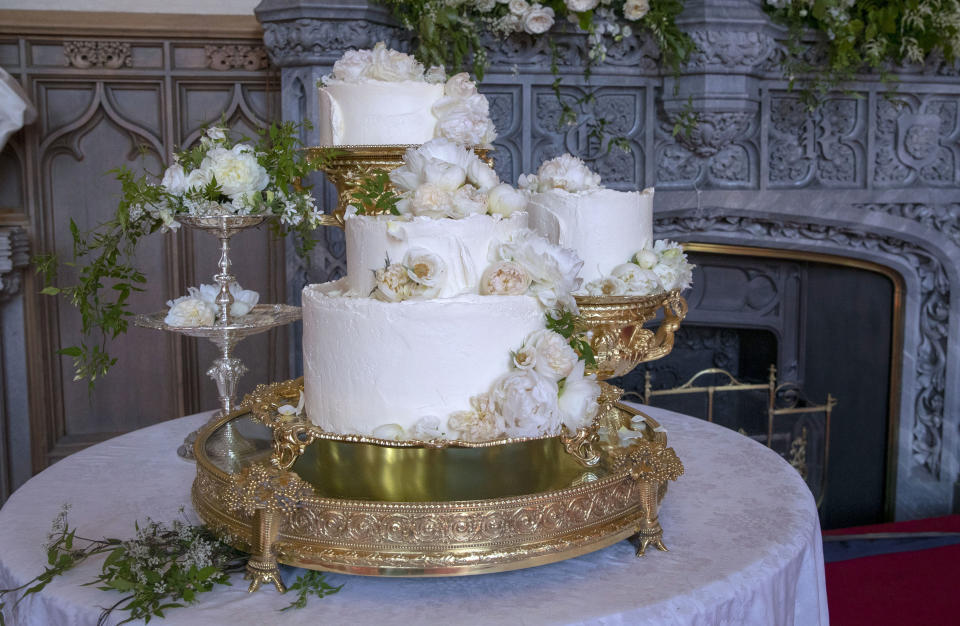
228 330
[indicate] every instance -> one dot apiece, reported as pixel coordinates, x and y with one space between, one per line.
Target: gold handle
332 219
674 311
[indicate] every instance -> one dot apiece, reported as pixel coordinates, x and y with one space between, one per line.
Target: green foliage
105 257
376 195
310 583
862 36
564 324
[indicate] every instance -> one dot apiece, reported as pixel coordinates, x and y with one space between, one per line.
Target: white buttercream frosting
370 364
377 113
605 227
462 244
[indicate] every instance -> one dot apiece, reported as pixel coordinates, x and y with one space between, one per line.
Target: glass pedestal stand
228 330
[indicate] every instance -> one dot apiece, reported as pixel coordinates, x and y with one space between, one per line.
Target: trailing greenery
104 257
863 35
375 195
564 325
166 566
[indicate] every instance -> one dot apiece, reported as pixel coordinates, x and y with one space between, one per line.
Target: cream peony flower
482 423
578 398
174 180
467 127
505 200
527 402
528 182
190 311
504 278
425 268
459 86
639 281
468 200
553 269
635 9
566 172
674 276
446 176
669 252
243 299
607 286
579 6
431 201
352 66
390 65
538 19
481 175
236 170
555 357
646 258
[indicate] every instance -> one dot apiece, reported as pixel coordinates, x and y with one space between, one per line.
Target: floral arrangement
463 114
565 172
199 307
528 263
420 275
651 270
218 176
165 566
860 36
544 391
442 179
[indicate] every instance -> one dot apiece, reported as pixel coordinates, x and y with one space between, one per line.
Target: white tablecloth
742 529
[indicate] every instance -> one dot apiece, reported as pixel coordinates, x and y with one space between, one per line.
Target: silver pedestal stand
228 330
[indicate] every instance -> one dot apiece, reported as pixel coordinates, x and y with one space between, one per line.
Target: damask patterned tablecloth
742 529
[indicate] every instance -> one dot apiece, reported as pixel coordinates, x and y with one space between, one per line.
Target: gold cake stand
292 494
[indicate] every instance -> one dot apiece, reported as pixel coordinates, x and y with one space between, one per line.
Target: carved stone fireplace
863 177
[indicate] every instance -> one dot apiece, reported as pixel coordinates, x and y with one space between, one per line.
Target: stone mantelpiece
863 176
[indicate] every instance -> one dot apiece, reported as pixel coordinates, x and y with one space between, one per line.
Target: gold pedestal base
368 509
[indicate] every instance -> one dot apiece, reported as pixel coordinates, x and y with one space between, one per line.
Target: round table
741 525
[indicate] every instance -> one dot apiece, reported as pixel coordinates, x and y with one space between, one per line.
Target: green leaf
50 291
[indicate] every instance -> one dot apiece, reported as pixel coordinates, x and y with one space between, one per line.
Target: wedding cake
384 97
440 328
612 231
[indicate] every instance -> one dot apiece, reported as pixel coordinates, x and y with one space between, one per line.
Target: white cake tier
463 244
368 363
377 112
606 227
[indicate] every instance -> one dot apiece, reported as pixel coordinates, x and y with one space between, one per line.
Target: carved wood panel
106 102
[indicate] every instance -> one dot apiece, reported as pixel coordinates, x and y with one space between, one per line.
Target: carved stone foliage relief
918 140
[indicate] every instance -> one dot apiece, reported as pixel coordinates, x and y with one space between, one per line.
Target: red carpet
905 588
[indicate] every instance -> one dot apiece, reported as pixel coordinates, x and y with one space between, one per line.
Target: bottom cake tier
368 509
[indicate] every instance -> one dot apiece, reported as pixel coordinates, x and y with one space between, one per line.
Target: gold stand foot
259 572
649 534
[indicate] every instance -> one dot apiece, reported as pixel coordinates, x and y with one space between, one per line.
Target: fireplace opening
829 325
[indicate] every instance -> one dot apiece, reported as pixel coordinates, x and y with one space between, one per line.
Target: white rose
237 171
468 200
566 172
352 66
446 176
393 283
579 6
505 200
527 402
459 86
555 357
538 19
525 358
635 9
431 201
578 399
504 278
646 258
424 267
508 24
518 7
612 286
174 179
190 311
481 175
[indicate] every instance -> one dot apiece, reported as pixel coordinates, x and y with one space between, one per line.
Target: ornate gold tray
369 509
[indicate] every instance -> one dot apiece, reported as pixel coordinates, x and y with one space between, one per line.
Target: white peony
391 65
552 269
504 278
425 268
669 252
505 200
529 182
481 175
527 402
243 299
190 311
446 176
468 200
198 179
431 201
639 281
236 170
538 19
443 149
174 180
579 6
352 66
578 398
646 258
674 276
436 74
466 127
459 86
482 423
555 357
635 9
566 172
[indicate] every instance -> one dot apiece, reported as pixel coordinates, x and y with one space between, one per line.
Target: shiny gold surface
619 339
367 509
